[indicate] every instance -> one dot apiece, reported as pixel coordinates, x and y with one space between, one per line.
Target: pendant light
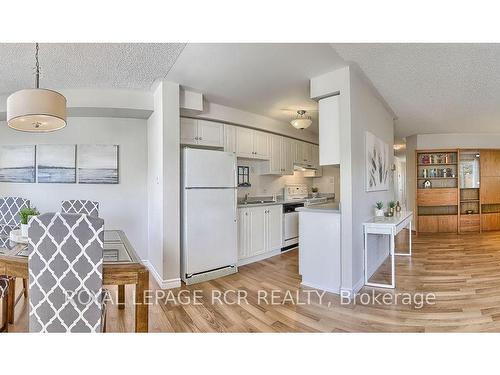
36 110
301 121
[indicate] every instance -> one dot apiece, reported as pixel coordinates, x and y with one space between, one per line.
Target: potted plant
392 205
314 191
25 214
379 209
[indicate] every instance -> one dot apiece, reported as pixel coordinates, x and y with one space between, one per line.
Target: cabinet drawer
469 223
437 197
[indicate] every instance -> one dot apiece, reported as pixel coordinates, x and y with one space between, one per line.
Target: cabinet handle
200 139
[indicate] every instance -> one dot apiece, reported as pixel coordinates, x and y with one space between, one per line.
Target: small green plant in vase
379 209
25 214
392 205
314 191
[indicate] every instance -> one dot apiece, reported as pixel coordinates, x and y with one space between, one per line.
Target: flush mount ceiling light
36 110
301 121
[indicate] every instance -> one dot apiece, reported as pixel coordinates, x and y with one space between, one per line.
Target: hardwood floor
463 271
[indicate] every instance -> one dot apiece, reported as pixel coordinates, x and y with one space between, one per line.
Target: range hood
303 167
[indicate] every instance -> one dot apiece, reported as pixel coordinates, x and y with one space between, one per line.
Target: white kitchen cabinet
307 152
281 156
274 165
210 133
201 133
287 155
261 144
252 143
315 155
229 138
329 131
275 155
189 131
274 227
259 230
244 142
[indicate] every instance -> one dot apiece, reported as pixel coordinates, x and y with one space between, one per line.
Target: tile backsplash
271 184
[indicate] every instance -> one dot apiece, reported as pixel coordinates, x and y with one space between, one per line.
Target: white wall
329 182
122 206
361 110
163 181
368 113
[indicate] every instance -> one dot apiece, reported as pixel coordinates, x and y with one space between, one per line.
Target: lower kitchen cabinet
259 231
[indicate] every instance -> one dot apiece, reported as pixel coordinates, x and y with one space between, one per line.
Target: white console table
388 226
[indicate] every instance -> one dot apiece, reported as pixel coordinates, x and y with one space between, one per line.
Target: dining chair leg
5 322
25 288
11 298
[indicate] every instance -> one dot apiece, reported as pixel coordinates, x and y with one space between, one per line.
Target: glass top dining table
117 249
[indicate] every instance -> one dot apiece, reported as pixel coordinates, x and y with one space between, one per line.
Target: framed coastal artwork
97 164
56 164
17 163
377 163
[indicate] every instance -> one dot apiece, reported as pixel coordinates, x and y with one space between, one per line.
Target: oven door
291 228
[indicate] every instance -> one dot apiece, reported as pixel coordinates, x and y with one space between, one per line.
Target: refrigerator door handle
235 206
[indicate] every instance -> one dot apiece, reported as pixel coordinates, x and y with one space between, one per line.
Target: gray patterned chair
80 206
4 289
10 220
65 273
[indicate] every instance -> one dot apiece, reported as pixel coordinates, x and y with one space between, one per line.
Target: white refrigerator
209 227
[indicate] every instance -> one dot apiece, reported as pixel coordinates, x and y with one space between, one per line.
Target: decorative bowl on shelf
469 212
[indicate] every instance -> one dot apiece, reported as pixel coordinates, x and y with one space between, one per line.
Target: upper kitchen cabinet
201 133
287 155
230 138
244 142
189 131
252 143
261 144
329 131
303 153
281 156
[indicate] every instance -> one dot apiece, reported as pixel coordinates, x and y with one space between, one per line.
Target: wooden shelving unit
437 198
464 191
490 190
469 215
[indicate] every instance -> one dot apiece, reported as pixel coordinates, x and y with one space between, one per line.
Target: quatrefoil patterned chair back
9 215
65 273
80 206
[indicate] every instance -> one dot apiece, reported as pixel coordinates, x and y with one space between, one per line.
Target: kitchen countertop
278 201
323 208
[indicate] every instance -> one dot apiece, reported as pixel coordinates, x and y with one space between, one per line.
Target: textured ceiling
434 88
267 79
88 65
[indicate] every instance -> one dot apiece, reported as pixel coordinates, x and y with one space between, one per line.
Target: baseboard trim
351 292
256 258
322 288
163 283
